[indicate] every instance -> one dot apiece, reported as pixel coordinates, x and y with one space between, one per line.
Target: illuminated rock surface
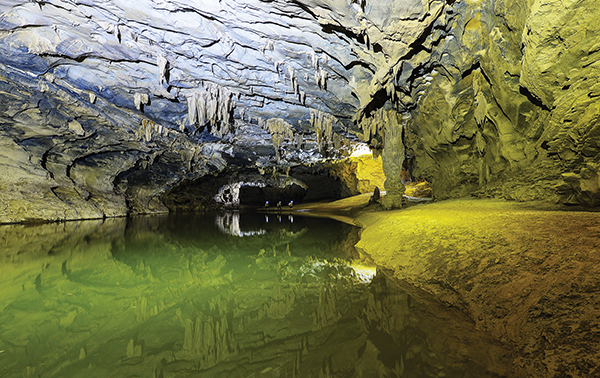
526 276
107 106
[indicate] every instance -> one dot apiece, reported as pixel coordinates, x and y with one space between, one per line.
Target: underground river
222 295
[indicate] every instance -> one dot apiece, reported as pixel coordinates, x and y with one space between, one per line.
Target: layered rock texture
509 108
107 107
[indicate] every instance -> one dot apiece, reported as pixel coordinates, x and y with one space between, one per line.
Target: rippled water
225 295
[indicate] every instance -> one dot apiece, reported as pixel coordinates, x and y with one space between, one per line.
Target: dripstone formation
108 108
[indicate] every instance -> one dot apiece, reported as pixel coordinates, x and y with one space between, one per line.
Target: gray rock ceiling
276 58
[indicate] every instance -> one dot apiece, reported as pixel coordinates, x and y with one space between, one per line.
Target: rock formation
106 107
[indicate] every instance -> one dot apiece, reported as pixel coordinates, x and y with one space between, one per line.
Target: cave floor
527 276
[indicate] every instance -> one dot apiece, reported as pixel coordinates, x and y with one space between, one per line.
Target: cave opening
415 188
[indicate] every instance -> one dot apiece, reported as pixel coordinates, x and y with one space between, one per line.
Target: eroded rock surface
527 276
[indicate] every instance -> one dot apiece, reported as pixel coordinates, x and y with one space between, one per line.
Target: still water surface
221 295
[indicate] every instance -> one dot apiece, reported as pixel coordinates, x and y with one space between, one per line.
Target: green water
222 295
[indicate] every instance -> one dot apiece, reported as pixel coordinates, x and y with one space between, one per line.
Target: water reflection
250 224
174 296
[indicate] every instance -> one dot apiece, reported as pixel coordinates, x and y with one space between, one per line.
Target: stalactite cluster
148 128
207 339
373 127
320 73
280 130
322 123
211 105
140 99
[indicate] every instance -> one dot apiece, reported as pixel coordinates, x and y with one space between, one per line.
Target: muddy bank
528 277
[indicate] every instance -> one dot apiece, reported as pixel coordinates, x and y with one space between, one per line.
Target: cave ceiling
277 59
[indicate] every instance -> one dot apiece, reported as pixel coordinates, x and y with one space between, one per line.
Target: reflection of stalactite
214 105
145 310
208 339
281 303
280 130
325 312
133 349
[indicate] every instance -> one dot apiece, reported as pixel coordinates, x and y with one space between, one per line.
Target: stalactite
263 124
298 140
302 97
322 123
148 127
214 105
269 46
391 91
321 78
337 141
320 73
163 70
293 79
280 130
192 108
314 60
323 83
140 99
480 102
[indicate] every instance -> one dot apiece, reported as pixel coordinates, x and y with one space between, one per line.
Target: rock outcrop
507 107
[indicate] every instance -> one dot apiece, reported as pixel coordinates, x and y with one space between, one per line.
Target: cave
348 188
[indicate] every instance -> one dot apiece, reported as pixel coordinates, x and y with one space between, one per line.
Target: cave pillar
393 157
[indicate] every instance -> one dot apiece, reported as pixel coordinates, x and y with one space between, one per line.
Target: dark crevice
44 162
364 65
470 70
333 29
305 9
81 58
545 145
532 98
501 109
419 44
378 101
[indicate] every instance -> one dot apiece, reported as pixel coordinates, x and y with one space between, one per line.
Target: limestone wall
506 103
